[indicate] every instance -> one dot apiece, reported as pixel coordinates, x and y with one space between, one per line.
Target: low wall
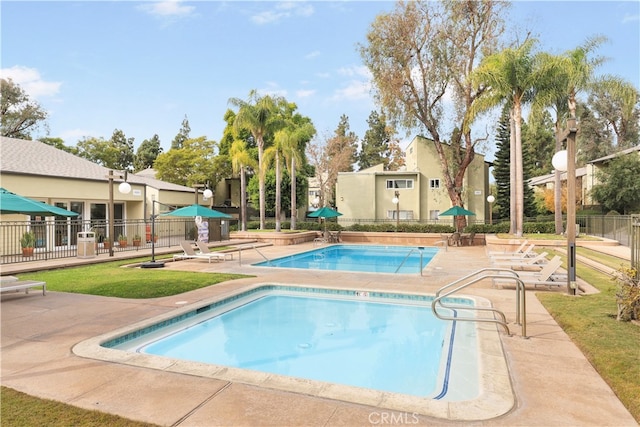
382 238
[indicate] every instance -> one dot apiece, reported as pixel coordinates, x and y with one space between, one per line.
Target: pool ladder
477 276
420 248
240 248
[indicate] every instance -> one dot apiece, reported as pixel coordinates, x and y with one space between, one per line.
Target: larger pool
359 258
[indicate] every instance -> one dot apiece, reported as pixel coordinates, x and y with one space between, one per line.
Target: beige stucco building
369 194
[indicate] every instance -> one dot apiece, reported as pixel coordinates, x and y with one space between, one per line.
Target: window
434 183
404 215
433 214
399 183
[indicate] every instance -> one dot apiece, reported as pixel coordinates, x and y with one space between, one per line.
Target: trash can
87 244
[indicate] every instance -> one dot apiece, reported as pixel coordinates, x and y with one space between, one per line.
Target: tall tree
241 159
501 166
293 148
182 135
124 148
59 144
115 153
341 155
375 146
194 163
419 55
617 102
616 191
19 115
259 115
147 153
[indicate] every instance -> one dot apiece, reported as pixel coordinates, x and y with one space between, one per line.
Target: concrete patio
553 383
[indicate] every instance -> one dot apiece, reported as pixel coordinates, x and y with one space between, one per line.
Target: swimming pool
458 380
359 258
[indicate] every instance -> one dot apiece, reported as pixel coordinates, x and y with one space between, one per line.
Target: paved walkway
553 383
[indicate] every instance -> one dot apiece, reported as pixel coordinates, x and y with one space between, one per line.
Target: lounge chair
12 283
505 252
190 253
535 263
204 249
527 253
548 276
455 239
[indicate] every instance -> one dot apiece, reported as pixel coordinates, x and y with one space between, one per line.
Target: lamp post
153 263
490 200
124 188
565 160
396 201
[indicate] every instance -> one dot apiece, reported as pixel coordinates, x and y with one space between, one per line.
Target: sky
143 66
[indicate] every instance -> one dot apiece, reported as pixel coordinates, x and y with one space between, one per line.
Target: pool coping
496 394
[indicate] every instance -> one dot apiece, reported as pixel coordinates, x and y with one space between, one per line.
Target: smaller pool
360 258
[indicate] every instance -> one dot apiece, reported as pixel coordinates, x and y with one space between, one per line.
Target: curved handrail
520 300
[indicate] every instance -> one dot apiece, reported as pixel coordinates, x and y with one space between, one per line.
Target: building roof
26 157
619 153
550 178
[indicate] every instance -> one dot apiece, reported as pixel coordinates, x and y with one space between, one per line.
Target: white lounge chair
527 253
518 250
548 276
204 249
534 263
12 283
190 253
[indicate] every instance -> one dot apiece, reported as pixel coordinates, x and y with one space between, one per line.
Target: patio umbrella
197 210
11 203
456 211
325 212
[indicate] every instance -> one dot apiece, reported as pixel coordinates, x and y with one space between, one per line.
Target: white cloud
312 55
305 93
167 8
354 90
75 135
273 89
30 81
323 75
630 18
355 71
283 10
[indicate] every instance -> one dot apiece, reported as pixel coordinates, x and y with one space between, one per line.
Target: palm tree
567 75
510 76
240 159
294 154
259 116
274 154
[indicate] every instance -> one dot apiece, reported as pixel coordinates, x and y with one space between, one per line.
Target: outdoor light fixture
490 200
396 201
565 160
124 188
207 194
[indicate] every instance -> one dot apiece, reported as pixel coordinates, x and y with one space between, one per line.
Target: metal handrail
521 316
240 248
407 257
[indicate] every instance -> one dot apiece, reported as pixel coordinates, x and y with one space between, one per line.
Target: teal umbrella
456 211
196 210
324 212
11 203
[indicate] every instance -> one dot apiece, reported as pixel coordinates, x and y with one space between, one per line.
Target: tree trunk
261 184
294 201
512 174
517 116
278 194
243 199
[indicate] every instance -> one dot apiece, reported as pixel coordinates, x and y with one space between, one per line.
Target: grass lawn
112 279
612 347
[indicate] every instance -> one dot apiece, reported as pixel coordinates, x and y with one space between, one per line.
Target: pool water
359 258
357 340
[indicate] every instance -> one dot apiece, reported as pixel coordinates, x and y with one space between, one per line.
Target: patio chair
455 239
190 253
548 276
204 249
469 237
527 253
505 252
535 263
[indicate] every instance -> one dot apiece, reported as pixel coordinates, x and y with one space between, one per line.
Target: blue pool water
390 344
362 258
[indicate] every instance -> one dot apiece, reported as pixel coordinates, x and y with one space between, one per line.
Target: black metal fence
71 238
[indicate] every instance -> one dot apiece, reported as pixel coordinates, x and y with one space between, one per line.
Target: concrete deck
553 383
